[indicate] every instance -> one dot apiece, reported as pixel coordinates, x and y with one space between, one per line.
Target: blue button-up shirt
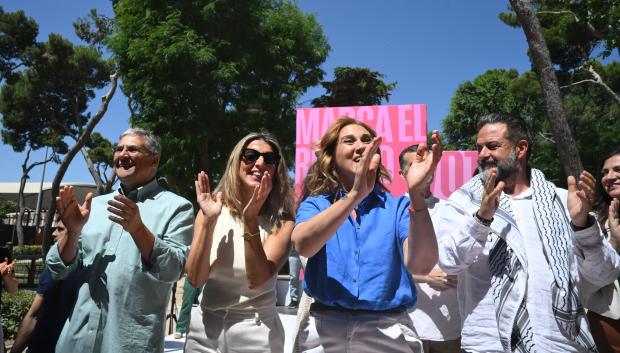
361 266
121 304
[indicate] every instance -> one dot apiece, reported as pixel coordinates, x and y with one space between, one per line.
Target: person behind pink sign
363 244
241 240
436 318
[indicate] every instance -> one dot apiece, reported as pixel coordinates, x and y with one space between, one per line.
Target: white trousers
337 332
220 331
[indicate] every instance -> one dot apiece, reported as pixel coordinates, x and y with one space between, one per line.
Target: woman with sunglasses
241 240
362 244
604 305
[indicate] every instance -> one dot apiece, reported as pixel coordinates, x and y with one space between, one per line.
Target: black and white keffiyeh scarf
508 264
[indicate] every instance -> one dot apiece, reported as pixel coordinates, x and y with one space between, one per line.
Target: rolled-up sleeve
597 261
171 246
57 267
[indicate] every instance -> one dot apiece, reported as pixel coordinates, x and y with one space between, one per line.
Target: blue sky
428 46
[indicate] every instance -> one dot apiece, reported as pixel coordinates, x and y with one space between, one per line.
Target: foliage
18 35
203 74
100 152
94 29
594 119
14 307
353 86
26 250
47 100
575 30
7 207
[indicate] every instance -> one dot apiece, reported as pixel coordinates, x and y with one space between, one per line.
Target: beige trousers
219 331
337 332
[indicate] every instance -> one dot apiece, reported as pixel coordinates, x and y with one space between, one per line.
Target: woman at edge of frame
604 306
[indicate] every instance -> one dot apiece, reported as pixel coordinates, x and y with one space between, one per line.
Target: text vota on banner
454 169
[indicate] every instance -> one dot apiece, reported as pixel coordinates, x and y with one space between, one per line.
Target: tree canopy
592 116
203 74
46 100
353 86
18 34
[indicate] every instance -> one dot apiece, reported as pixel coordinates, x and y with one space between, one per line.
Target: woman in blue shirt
363 244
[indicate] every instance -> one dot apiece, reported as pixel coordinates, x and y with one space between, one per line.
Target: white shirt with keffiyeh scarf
464 251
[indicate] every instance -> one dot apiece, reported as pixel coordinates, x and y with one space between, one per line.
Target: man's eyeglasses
131 149
251 156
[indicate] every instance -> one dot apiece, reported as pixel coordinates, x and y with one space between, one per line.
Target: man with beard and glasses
130 246
522 249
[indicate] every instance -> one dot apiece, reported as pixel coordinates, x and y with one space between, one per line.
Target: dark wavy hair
601 204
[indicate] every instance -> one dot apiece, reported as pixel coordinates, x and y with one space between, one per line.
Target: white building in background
9 193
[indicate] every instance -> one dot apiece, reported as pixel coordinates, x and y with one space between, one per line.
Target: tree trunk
539 52
84 136
93 172
19 228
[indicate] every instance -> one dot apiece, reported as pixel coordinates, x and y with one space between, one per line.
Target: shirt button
356 252
354 280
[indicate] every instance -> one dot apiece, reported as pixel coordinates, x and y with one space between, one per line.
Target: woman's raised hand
366 172
259 196
424 164
210 208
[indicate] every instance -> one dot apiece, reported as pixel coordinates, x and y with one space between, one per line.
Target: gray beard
505 168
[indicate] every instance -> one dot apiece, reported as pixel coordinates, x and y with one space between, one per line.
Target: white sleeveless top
227 288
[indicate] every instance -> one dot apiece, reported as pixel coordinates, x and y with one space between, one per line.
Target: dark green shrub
14 308
27 250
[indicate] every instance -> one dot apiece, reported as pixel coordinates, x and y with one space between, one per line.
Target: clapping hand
490 198
440 281
423 166
366 171
6 268
259 196
73 215
580 198
614 223
210 208
126 213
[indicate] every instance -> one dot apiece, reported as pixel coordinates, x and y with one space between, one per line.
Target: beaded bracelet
248 236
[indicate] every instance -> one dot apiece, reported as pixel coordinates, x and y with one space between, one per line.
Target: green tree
203 74
592 117
354 86
576 31
578 34
543 66
98 155
18 35
47 101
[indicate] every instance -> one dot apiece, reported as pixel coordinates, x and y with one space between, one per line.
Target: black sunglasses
251 156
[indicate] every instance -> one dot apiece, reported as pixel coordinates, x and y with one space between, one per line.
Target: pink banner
399 125
454 169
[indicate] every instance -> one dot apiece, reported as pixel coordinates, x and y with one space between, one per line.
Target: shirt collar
527 194
141 192
376 193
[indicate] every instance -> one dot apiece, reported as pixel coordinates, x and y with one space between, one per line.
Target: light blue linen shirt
121 305
361 266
